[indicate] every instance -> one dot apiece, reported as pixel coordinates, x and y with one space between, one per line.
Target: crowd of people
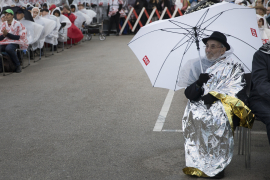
29 27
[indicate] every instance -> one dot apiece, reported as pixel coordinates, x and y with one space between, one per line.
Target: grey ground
89 113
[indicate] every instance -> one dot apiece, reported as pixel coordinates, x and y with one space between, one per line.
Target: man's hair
66 6
80 5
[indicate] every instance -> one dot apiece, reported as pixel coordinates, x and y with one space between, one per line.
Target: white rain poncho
81 17
192 69
1 20
90 13
4 3
34 30
48 25
62 34
52 38
264 31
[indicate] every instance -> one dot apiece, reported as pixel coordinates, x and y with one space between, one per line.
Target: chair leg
239 140
2 64
243 139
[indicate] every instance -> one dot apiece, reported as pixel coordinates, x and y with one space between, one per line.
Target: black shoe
107 34
18 69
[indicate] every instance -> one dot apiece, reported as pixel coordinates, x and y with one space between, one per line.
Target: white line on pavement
179 130
164 111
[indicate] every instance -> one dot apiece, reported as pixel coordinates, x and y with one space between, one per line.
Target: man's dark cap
20 11
220 37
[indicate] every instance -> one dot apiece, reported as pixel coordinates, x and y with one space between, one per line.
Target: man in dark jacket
260 86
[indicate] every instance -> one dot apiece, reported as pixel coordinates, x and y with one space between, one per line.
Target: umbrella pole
198 46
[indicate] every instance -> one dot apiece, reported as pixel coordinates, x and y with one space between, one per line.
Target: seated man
13 34
259 99
206 126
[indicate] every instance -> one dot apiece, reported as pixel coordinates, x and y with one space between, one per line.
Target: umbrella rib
213 20
203 16
234 37
226 11
183 44
172 21
173 32
242 62
187 48
142 36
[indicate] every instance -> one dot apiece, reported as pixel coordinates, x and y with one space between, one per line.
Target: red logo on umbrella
253 32
146 60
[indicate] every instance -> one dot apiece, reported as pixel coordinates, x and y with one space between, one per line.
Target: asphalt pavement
89 113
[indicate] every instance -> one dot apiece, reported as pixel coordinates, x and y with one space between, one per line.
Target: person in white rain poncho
216 106
18 3
3 19
65 24
264 31
90 13
81 17
4 3
48 25
34 30
52 38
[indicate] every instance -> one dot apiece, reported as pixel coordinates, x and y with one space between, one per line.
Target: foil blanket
208 133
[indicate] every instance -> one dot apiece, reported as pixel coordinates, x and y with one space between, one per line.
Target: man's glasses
212 47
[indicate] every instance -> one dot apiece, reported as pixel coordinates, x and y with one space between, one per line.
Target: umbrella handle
200 60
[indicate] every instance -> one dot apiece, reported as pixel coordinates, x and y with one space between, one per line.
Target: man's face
72 9
44 13
80 7
20 16
65 11
260 23
268 11
9 17
259 11
56 14
3 18
35 12
214 50
259 2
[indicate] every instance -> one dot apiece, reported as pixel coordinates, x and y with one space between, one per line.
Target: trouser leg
110 24
261 109
11 51
116 21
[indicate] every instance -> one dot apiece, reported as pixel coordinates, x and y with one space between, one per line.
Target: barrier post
151 15
168 12
138 19
163 13
175 11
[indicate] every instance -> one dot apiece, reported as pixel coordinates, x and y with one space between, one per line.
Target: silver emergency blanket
208 134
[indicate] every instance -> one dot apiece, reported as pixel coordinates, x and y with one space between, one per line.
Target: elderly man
13 34
207 127
260 86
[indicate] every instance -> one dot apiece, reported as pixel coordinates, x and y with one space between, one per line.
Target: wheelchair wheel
102 37
89 37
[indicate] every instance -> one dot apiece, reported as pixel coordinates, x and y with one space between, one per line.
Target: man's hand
203 78
4 31
209 99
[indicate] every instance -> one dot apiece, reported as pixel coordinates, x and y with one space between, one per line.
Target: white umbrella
165 47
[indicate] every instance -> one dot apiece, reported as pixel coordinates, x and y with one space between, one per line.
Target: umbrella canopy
166 48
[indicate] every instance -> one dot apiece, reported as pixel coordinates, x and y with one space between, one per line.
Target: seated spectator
45 6
73 32
152 4
265 33
13 34
2 20
260 10
259 100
